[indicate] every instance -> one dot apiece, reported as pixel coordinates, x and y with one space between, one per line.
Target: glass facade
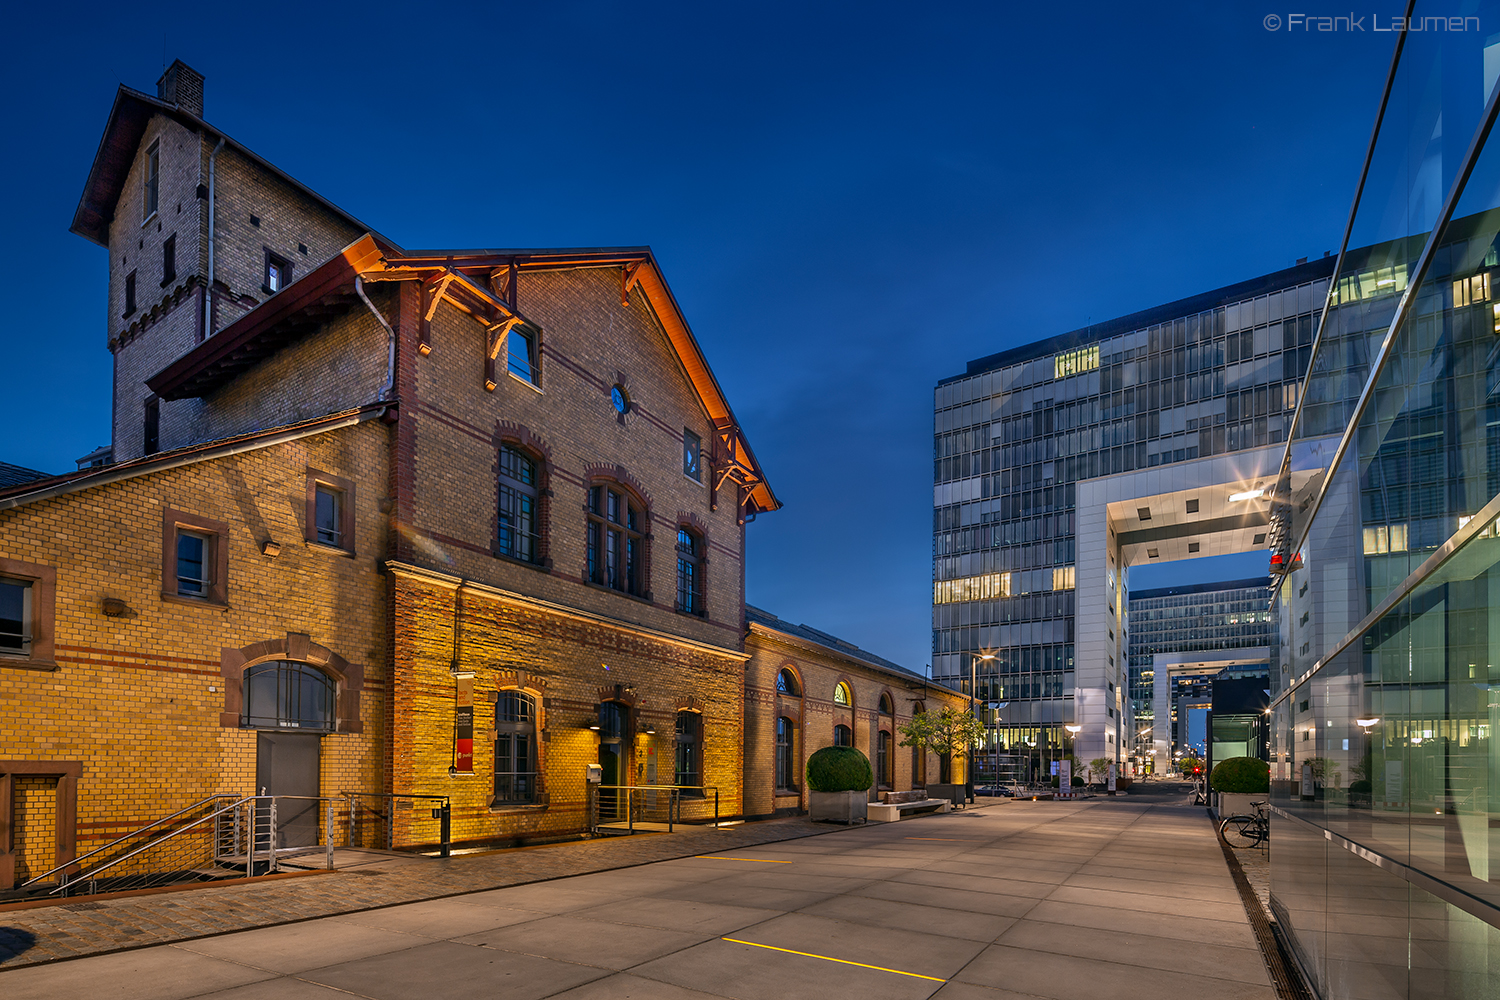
1208 618
1014 435
1385 765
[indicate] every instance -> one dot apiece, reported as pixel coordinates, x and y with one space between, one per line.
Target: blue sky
850 201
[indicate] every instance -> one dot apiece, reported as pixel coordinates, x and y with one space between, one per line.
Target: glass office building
1140 413
1195 631
1385 843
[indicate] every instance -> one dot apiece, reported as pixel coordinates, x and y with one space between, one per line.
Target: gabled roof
462 277
763 621
127 122
72 482
16 475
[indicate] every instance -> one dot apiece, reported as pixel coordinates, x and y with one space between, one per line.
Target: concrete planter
1238 803
838 807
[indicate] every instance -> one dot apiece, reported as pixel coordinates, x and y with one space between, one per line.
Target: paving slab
853 914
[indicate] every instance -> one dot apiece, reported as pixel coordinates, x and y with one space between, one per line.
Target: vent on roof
1192 506
1144 512
1192 546
1260 539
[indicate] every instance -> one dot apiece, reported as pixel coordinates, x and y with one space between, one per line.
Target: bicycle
1247 830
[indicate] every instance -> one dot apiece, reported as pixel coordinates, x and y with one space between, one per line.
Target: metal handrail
674 801
445 816
120 840
250 844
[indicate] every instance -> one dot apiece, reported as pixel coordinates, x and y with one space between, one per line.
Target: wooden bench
890 812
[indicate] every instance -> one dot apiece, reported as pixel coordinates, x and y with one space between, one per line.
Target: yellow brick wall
589 343
136 699
819 670
563 660
35 818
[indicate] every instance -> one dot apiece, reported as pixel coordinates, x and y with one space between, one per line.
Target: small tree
1099 770
1191 768
948 734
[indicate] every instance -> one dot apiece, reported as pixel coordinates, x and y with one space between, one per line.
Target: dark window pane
15 626
192 564
329 516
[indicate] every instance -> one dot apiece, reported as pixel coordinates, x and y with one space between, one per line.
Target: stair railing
61 870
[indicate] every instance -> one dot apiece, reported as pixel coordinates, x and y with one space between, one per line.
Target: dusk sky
850 201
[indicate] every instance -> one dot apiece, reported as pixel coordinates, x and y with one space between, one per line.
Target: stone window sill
195 602
333 550
26 663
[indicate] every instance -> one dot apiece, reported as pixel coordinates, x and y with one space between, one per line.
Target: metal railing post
390 822
329 838
630 809
716 808
271 841
446 829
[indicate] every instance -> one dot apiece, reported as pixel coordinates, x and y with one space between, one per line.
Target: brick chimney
183 86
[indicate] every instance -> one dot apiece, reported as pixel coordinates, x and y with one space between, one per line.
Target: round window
620 399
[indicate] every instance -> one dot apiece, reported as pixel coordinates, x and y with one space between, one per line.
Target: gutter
208 296
116 474
390 364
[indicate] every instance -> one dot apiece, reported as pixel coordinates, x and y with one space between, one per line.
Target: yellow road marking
764 861
841 961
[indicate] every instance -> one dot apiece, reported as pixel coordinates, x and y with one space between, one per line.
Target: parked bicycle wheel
1242 831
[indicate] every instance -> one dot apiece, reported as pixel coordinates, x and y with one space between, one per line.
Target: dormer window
153 180
278 274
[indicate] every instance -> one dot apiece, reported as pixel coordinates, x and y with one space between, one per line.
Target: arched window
887 707
786 683
518 535
616 542
841 695
281 694
689 770
786 754
515 747
885 764
843 736
689 572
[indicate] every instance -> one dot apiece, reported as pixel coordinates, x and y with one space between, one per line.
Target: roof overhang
479 283
296 311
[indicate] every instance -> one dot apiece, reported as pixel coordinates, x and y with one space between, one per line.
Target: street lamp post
1073 731
974 711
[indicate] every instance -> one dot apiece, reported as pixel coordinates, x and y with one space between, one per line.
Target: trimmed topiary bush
839 769
1361 787
1077 781
1244 775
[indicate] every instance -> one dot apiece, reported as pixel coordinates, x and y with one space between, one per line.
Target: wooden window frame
692 458
174 521
789 750
531 730
151 425
697 560
151 183
640 586
536 491
272 257
168 260
43 580
316 478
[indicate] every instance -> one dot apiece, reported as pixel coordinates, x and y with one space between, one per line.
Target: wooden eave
327 290
299 309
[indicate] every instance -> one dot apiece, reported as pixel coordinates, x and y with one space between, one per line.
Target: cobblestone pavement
69 930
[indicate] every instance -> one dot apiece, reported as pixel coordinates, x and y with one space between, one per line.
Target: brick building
478 516
805 690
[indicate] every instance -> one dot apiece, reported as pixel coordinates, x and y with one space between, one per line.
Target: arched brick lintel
298 647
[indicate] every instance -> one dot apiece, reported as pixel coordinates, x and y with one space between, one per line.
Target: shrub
839 769
1241 774
1361 787
1077 781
